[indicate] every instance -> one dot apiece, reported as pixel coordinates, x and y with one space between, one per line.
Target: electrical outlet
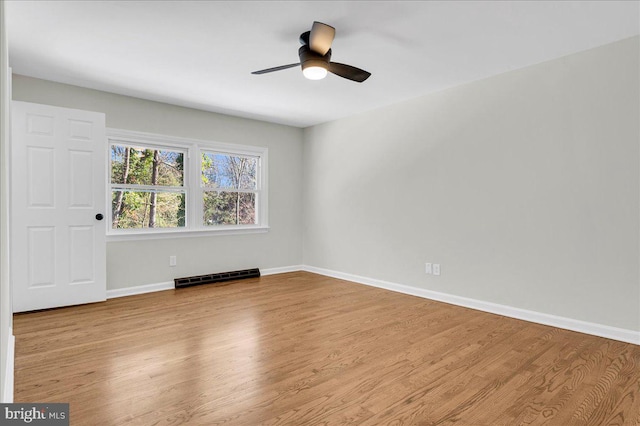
172 261
427 269
436 269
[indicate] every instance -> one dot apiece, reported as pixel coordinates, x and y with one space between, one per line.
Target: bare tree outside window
230 189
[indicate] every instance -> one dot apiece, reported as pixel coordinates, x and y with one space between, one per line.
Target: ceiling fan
315 57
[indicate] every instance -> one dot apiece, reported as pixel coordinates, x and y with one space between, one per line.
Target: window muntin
199 186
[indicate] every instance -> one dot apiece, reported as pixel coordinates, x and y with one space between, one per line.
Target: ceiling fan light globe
314 72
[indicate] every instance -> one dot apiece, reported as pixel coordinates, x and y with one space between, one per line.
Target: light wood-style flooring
303 349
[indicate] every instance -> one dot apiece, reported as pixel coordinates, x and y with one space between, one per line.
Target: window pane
229 208
133 209
225 171
142 166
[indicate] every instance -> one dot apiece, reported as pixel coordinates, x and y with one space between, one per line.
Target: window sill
167 234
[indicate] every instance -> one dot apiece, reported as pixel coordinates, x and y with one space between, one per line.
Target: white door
58 246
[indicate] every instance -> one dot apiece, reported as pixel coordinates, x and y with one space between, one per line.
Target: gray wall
523 186
133 263
5 294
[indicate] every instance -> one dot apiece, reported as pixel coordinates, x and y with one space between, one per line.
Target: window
162 185
230 186
147 187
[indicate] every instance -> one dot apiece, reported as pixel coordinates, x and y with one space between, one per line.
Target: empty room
320 213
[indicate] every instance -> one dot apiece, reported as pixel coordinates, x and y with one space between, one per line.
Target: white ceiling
200 53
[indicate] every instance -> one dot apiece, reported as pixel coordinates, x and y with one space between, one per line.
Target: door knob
99 216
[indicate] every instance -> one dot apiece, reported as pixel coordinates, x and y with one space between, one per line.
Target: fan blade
321 37
281 67
348 72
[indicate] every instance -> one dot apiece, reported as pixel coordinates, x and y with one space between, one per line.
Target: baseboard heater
216 278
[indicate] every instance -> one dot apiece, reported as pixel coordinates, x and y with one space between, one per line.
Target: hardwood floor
303 349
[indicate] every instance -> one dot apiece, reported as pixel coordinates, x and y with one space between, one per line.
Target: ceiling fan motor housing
309 58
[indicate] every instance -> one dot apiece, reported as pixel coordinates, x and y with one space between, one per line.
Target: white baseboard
8 377
139 289
621 334
281 270
169 285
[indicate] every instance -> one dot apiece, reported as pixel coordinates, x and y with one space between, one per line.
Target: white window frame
192 185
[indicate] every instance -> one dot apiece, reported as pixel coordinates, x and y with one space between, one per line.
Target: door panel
80 188
41 256
81 269
40 177
58 248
